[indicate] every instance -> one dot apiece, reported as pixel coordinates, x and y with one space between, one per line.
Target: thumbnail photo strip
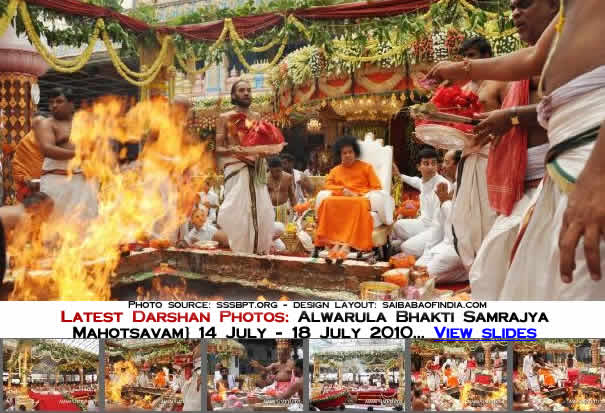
459 375
272 375
357 374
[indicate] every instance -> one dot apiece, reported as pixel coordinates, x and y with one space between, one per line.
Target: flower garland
115 59
11 12
64 66
155 66
238 52
81 405
217 44
328 397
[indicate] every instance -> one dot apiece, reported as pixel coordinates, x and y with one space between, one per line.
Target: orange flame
125 374
154 194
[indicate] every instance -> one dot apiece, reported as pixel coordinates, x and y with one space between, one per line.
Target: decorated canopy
366 351
226 348
65 355
153 350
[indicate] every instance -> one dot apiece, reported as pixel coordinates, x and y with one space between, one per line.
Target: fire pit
208 275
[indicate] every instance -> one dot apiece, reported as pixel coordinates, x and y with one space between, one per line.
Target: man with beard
75 198
246 214
302 185
516 163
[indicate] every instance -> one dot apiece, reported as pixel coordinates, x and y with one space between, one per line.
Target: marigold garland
115 59
64 66
218 43
11 12
157 64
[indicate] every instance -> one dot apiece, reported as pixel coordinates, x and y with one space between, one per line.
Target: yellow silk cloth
27 162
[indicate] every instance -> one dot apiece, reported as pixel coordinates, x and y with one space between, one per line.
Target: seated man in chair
351 191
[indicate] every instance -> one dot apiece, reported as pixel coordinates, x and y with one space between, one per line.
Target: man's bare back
580 48
281 191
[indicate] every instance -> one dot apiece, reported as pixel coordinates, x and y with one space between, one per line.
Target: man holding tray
242 141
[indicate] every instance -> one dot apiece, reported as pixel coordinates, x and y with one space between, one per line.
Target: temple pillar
20 68
340 375
164 82
401 378
487 349
81 375
316 368
595 350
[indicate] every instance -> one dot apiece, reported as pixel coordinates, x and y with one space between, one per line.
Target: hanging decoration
314 126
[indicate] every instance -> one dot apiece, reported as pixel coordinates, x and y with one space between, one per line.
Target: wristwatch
515 118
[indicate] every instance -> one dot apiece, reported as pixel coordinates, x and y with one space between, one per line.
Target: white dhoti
534 273
533 383
472 216
488 272
74 197
382 206
246 214
440 256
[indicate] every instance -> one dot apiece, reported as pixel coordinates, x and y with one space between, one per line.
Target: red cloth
507 162
483 379
79 8
255 132
572 375
372 397
53 402
363 9
590 379
246 26
455 101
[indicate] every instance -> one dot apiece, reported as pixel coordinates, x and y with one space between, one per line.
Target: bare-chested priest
246 214
74 197
282 369
281 189
570 206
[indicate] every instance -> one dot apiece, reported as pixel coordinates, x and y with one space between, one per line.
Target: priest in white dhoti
415 232
74 197
529 366
246 214
192 386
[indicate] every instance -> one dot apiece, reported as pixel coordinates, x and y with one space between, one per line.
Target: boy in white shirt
415 232
203 230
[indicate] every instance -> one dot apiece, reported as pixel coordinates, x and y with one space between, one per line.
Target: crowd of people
481 212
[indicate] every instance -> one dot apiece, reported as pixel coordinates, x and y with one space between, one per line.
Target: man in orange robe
343 209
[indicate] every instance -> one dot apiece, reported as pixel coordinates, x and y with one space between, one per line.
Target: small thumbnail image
255 375
50 374
153 374
459 375
357 374
559 375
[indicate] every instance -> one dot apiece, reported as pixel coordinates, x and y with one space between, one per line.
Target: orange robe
27 163
345 219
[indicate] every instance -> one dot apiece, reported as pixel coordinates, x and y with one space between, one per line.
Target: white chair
380 157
